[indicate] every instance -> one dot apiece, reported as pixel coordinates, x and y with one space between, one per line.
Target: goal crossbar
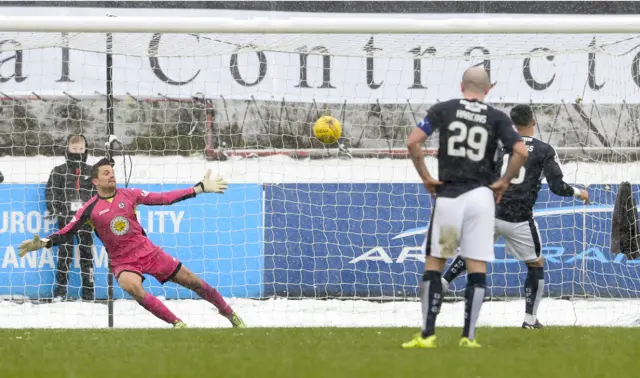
589 24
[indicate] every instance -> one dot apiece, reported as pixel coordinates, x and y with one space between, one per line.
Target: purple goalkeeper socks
157 308
212 296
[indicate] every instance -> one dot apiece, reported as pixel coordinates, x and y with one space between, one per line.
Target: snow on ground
283 169
317 313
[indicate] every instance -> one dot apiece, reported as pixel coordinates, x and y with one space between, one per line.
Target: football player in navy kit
464 207
514 214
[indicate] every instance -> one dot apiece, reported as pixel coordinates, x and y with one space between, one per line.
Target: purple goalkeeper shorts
160 265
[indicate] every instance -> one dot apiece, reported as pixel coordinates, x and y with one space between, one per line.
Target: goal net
308 234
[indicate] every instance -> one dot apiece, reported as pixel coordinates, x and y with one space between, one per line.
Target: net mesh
348 223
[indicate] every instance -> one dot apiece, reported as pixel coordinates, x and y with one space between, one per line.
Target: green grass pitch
317 352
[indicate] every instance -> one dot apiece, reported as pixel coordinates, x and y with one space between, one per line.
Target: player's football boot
235 320
179 324
466 343
536 325
419 342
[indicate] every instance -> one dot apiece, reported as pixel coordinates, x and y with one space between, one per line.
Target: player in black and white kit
464 207
514 214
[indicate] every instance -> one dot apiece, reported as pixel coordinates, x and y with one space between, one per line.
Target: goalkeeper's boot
465 342
420 342
536 325
179 324
235 320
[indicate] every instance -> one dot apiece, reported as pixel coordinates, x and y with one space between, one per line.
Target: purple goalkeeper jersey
115 222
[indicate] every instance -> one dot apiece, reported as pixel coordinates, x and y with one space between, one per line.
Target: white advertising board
381 68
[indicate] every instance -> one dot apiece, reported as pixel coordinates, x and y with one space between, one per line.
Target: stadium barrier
321 240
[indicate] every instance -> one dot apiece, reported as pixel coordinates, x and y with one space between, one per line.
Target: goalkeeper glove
32 245
207 185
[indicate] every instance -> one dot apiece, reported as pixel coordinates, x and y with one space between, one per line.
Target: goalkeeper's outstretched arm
63 235
161 198
207 185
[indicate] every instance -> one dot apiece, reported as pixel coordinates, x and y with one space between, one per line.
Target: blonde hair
77 139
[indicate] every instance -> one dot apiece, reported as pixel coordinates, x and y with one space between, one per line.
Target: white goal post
303 220
316 25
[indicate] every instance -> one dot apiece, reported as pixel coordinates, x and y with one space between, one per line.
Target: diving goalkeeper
112 214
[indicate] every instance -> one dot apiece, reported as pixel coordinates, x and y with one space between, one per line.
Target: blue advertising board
218 237
320 240
364 240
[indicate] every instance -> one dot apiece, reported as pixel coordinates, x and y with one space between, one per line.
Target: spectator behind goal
68 188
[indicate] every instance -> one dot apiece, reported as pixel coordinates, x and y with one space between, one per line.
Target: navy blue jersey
543 162
470 132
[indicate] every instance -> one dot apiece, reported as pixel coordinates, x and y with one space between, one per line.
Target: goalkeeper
112 215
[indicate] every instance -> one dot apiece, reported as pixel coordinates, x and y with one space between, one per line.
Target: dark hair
101 163
522 115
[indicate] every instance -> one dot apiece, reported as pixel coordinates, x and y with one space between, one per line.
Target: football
327 129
